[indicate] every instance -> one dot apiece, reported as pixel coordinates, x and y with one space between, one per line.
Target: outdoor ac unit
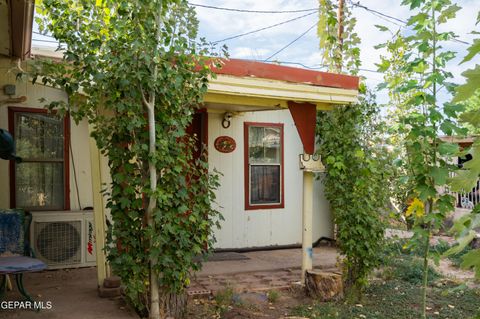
63 239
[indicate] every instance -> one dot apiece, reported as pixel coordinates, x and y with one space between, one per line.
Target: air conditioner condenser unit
63 239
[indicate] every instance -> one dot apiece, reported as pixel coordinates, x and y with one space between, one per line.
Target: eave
227 92
19 31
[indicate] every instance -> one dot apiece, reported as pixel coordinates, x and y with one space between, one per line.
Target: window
40 182
263 166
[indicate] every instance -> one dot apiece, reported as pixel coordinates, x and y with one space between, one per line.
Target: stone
324 286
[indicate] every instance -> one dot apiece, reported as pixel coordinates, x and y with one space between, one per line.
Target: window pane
265 184
39 185
38 136
264 144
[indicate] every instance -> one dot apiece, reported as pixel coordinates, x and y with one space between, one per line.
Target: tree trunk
152 204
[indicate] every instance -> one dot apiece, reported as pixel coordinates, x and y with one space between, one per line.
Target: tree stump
324 286
174 306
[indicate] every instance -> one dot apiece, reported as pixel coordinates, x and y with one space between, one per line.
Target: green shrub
410 269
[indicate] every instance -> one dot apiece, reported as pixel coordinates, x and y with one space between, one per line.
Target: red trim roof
244 68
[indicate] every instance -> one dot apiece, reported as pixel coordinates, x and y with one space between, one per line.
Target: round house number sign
225 144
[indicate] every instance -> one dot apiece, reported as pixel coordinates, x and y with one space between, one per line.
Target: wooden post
98 211
307 217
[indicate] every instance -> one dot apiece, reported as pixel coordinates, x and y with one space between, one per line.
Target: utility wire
251 11
381 14
357 4
41 40
43 34
297 63
265 28
290 43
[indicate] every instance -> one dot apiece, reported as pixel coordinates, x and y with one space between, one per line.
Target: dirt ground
72 293
274 304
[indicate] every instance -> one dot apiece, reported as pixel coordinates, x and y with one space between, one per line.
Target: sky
218 24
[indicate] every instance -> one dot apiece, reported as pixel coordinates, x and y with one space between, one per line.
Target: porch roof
244 85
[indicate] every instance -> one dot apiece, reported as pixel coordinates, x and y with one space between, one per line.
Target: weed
410 269
224 299
273 296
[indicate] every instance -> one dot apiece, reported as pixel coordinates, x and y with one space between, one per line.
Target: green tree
426 157
136 72
467 178
352 149
393 66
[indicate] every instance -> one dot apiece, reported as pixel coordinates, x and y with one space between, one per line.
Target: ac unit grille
59 242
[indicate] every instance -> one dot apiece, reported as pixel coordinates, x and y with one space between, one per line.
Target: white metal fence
466 200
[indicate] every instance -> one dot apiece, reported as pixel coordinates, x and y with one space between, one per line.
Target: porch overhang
16 21
245 85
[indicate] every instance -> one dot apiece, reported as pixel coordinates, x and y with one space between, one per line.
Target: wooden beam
98 211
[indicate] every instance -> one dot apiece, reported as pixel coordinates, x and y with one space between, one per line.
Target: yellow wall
79 135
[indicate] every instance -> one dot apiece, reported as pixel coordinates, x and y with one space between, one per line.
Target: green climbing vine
136 72
356 162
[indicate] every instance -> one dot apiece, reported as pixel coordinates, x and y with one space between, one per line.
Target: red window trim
249 206
66 131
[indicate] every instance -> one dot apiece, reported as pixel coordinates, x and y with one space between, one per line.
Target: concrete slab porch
73 293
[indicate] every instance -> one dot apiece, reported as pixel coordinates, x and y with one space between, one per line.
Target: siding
265 227
79 136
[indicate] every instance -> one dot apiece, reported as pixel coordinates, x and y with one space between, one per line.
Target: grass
398 294
398 299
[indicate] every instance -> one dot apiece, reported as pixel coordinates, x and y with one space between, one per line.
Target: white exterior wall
264 227
79 136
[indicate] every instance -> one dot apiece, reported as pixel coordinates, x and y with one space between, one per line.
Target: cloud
216 24
249 53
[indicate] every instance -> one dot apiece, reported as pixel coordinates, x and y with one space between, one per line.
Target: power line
357 4
43 35
291 42
251 11
297 63
386 16
265 28
48 41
